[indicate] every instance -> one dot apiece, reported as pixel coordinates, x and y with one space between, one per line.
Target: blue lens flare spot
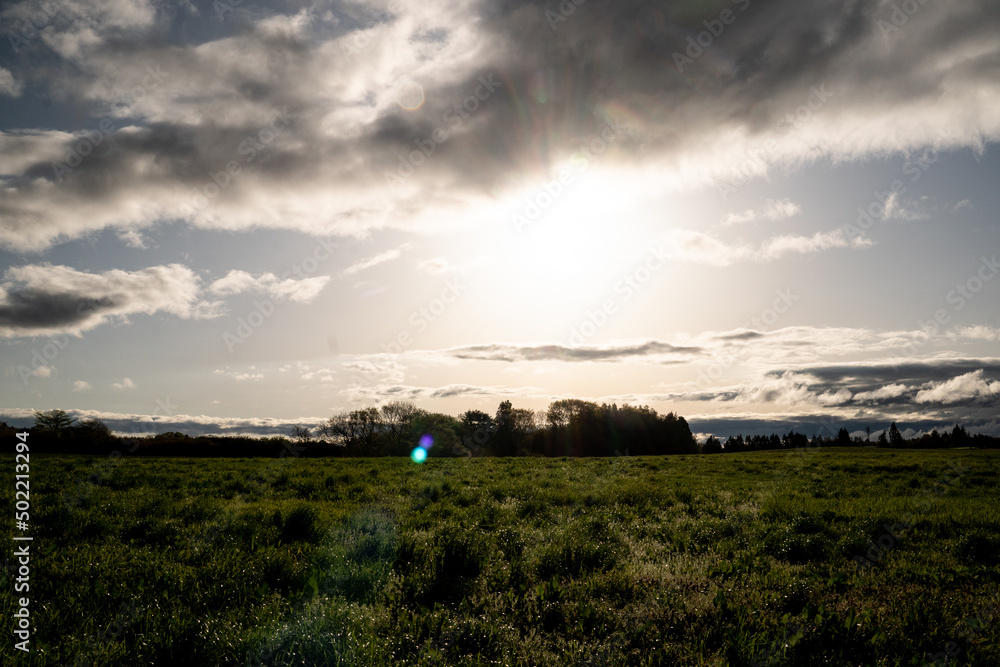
419 455
426 441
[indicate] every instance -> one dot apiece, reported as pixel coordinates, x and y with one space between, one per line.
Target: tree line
569 427
891 437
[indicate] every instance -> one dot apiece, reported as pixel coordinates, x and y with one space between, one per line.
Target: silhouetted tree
504 438
397 426
358 432
712 446
443 430
895 437
302 434
53 422
476 429
93 431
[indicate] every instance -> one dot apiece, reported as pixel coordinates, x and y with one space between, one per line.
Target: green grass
690 560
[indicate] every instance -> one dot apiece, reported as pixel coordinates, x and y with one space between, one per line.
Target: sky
234 216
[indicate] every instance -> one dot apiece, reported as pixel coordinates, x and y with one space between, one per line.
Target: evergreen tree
895 437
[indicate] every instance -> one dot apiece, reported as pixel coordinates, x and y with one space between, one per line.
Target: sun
565 233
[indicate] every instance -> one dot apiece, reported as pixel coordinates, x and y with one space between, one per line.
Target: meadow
814 556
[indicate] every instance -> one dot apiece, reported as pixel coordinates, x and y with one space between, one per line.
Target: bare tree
359 431
397 422
302 434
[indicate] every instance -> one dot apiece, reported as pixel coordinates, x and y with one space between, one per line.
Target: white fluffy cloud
772 210
9 86
958 389
375 260
299 291
693 246
125 385
887 391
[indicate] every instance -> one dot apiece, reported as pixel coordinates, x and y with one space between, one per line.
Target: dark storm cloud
42 310
838 375
509 92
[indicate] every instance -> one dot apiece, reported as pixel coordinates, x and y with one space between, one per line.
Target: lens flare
410 95
419 455
426 441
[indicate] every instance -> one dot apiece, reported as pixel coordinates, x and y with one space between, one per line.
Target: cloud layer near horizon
294 120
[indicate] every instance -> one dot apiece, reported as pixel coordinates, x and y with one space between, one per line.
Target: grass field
741 559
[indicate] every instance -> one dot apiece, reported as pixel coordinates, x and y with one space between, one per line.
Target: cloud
559 352
440 265
978 332
773 210
896 209
804 80
959 389
699 247
8 85
141 424
246 376
375 260
125 385
81 385
882 393
298 291
401 392
42 299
